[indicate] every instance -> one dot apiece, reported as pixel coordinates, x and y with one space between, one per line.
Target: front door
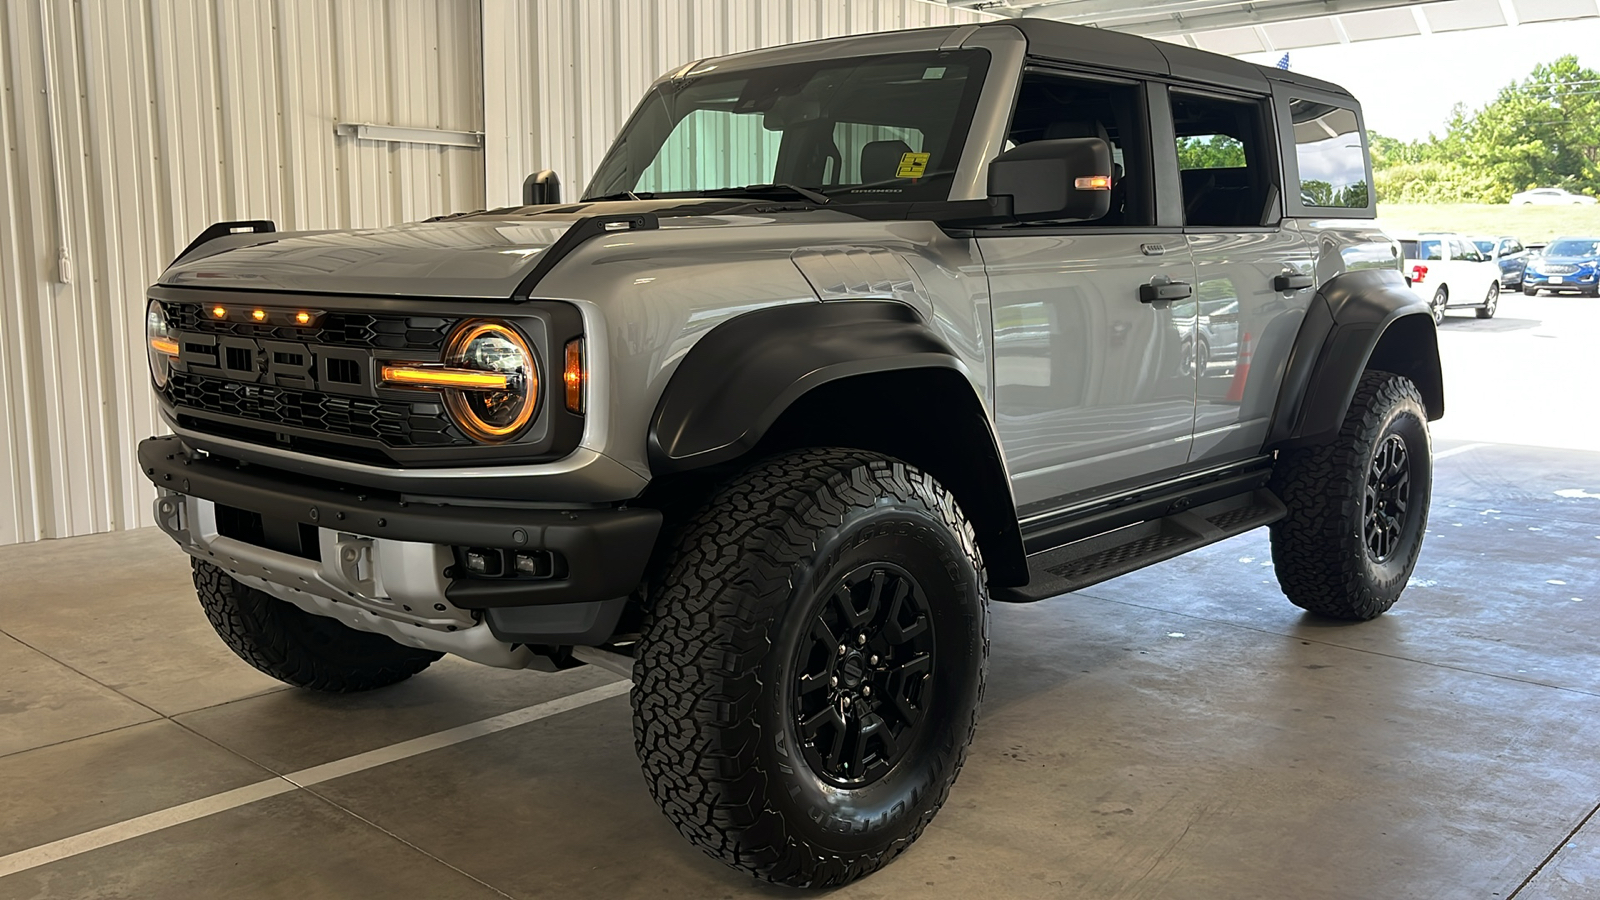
1094 388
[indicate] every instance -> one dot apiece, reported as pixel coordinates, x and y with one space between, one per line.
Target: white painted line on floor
115 833
1456 451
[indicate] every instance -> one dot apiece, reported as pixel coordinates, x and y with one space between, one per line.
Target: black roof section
1064 42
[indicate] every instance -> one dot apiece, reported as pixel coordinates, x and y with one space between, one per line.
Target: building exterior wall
126 127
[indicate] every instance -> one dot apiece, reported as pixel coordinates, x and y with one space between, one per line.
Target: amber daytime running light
489 378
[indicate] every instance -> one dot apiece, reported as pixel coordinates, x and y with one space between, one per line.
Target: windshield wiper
759 189
619 195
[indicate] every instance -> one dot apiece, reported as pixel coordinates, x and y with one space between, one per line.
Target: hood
479 255
1567 260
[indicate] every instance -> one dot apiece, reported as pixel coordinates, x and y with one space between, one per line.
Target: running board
1077 565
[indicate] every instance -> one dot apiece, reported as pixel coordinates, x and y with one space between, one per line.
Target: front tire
809 675
1358 505
1441 299
296 647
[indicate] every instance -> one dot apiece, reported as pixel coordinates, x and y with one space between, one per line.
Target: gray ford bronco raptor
843 340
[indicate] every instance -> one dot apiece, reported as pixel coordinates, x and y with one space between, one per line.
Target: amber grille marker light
218 312
303 318
574 375
260 315
440 377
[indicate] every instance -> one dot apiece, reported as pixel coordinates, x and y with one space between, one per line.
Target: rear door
1094 388
1253 271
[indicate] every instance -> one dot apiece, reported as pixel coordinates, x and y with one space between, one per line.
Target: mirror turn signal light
441 377
574 376
1093 183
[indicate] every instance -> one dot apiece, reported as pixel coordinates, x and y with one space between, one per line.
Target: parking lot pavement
1530 375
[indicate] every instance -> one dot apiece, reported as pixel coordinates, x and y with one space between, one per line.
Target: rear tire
1441 299
1358 505
1490 303
749 748
298 648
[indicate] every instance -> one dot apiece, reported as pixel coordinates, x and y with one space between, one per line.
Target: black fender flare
1358 320
741 377
736 381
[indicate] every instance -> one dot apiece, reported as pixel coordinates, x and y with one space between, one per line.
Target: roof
1046 39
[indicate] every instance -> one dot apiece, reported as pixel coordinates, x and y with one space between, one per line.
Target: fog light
536 564
477 561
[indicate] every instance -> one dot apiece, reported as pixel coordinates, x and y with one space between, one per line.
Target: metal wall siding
594 59
168 116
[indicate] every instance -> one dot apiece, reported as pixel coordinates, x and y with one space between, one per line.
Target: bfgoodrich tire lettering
731 634
1351 538
296 647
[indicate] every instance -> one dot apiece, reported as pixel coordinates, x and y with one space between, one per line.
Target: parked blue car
1569 265
1509 253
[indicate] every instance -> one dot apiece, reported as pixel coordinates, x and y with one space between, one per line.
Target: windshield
881 128
1574 248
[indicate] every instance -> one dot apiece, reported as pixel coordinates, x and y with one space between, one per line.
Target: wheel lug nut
841 649
847 701
834 681
873 660
866 691
861 639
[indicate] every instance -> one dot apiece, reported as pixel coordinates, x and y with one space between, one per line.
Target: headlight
163 346
490 380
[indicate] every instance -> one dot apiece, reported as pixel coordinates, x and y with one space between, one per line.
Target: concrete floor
1182 732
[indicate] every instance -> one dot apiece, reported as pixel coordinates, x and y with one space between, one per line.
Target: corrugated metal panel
164 117
561 76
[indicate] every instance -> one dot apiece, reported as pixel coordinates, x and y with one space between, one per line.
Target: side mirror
540 188
1068 178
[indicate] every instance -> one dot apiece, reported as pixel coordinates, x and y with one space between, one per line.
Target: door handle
1160 290
1287 282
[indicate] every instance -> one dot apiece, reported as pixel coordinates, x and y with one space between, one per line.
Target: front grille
1559 270
394 424
340 329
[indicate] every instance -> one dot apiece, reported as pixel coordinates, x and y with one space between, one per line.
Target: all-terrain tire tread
1317 556
708 630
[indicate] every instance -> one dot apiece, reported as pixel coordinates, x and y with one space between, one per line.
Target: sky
1408 85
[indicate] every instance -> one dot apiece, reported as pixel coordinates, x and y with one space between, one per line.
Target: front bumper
1583 281
380 562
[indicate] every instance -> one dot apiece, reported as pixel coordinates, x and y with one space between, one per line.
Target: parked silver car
843 340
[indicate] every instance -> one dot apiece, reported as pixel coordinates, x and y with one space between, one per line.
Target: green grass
1535 224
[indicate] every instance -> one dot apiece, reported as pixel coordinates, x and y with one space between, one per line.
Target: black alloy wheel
862 676
1387 497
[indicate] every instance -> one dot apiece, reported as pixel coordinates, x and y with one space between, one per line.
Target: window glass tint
1465 250
1425 250
1328 147
876 129
713 148
1485 247
1222 156
1053 108
1574 248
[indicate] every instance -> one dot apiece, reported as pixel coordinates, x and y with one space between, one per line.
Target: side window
1430 250
1330 152
1051 107
1222 160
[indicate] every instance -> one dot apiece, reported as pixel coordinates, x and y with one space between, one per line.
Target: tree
1543 130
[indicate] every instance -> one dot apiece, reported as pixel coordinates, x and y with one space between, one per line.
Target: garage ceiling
1223 26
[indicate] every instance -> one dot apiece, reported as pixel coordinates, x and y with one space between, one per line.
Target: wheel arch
869 375
1360 320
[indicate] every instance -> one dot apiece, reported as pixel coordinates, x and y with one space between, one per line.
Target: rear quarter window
1331 155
